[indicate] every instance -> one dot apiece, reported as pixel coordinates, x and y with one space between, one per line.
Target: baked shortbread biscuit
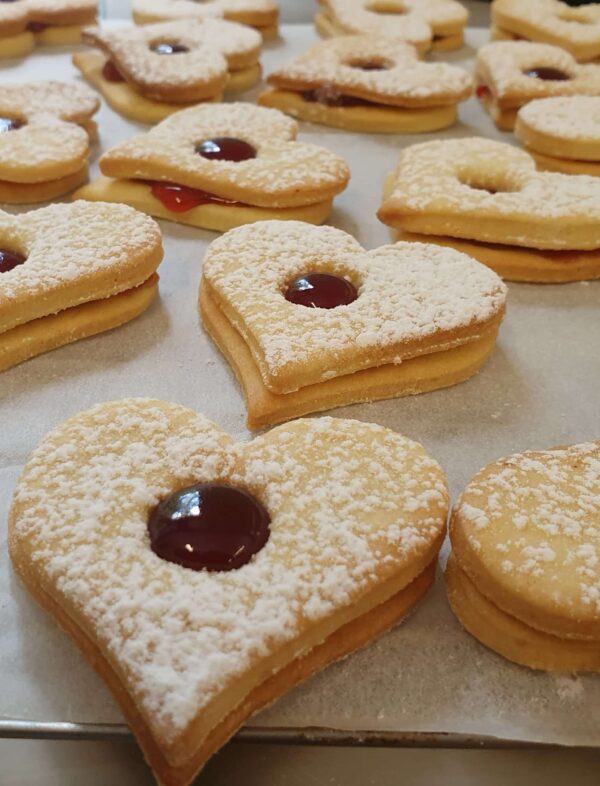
263 15
147 73
221 165
368 83
45 130
69 271
509 74
437 24
551 22
487 199
195 628
25 23
309 320
562 134
524 575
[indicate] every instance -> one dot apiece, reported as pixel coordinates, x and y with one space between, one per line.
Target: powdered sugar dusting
351 505
254 11
14 17
569 118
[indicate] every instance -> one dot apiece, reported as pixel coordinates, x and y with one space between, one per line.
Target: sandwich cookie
25 23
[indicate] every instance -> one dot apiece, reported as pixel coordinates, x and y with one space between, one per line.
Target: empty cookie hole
370 64
321 289
389 8
168 48
492 185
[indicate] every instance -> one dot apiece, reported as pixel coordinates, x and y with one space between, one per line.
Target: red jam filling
111 73
209 526
483 91
321 290
226 148
547 74
37 27
179 199
328 95
10 124
10 260
164 48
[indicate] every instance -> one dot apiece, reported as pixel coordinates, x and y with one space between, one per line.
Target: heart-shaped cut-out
86 268
524 577
357 514
413 300
276 177
261 14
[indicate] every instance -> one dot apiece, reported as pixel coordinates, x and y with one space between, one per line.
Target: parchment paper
539 389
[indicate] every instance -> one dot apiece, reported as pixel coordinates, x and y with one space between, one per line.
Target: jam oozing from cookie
165 48
328 95
179 199
209 526
10 124
547 74
37 27
482 91
226 148
10 260
111 73
321 290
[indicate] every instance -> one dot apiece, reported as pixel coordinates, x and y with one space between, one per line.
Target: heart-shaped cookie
354 518
44 144
368 83
61 280
260 14
147 73
487 198
221 165
509 74
27 22
575 29
424 23
400 319
524 576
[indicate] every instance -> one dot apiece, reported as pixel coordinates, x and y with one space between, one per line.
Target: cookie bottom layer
514 263
510 637
29 193
23 43
419 375
218 218
504 119
46 333
376 119
567 165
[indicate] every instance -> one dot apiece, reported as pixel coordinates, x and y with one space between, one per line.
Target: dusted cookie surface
24 23
45 144
147 73
191 654
480 190
236 163
368 82
67 262
526 538
550 21
261 14
291 358
509 74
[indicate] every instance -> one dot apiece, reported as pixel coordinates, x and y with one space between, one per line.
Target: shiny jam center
10 124
226 148
10 260
547 74
165 48
321 290
209 526
179 199
111 73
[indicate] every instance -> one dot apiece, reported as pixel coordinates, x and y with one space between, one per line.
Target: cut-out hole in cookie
10 260
493 185
547 74
209 526
320 290
168 48
11 124
372 64
111 73
226 148
387 8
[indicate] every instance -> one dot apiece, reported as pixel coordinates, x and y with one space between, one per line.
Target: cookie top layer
14 17
347 65
351 506
261 13
527 532
284 173
568 118
356 17
66 100
502 67
413 299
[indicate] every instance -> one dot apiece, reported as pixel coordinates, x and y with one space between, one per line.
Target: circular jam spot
226 148
321 290
111 73
209 526
10 124
547 74
9 260
164 48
